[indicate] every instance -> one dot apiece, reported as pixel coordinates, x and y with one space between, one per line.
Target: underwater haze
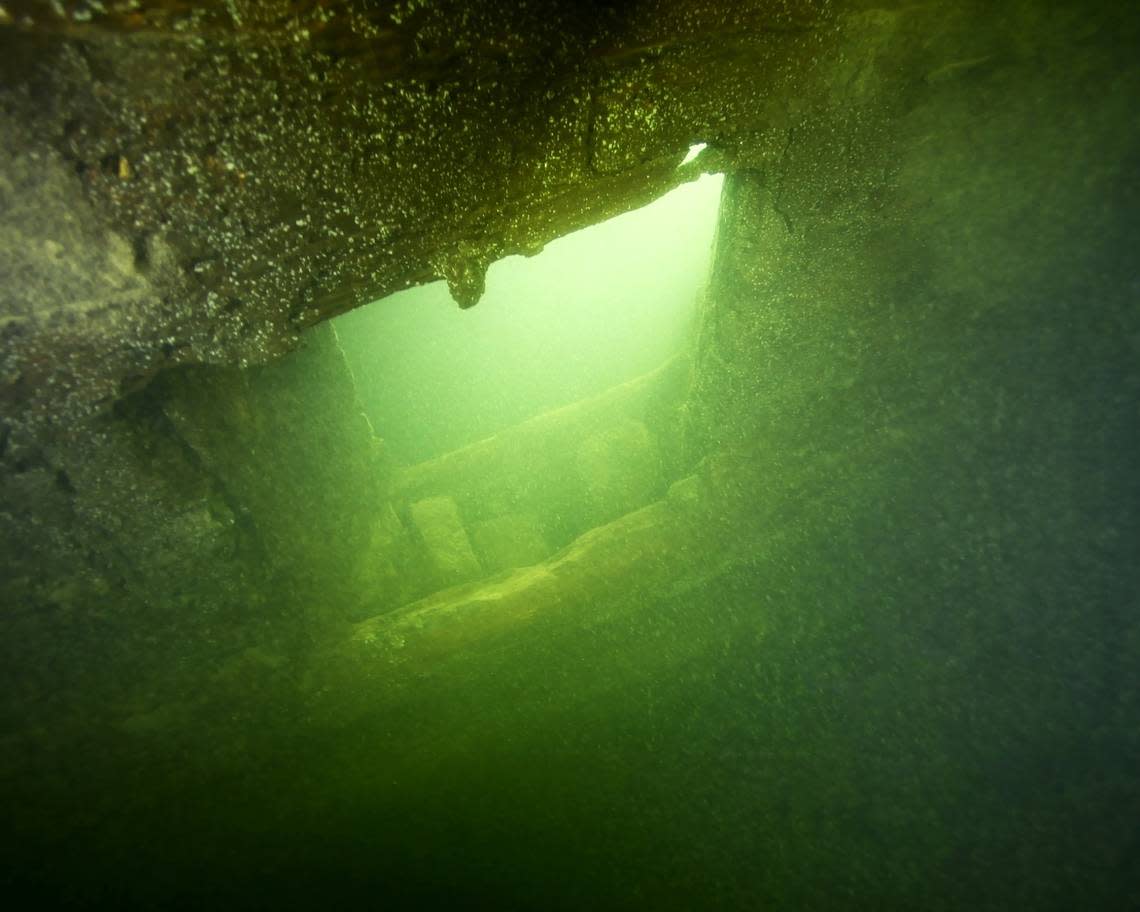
773 546
595 308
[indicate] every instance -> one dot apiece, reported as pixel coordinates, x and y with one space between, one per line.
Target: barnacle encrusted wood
197 183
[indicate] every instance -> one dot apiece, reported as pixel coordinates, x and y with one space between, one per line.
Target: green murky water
794 571
594 309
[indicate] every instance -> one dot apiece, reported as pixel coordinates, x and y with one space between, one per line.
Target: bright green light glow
595 308
694 151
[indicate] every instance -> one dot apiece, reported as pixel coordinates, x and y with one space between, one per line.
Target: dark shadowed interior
347 562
